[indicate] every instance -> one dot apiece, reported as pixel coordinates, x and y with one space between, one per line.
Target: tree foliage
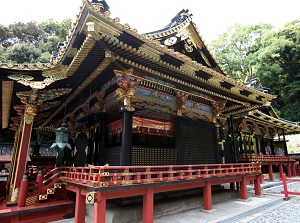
233 49
32 42
271 55
278 67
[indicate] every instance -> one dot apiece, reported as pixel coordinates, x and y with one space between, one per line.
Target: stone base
133 213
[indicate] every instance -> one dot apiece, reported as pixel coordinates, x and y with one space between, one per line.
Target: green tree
22 53
28 33
233 49
32 42
5 35
278 67
55 28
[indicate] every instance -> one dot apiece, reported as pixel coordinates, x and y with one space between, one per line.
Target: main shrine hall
142 113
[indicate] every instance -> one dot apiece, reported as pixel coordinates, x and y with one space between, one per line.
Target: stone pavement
268 208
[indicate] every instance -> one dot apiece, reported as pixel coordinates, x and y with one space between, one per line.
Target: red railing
50 179
285 188
103 176
257 158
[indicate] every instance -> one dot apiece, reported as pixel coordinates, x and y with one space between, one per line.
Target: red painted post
257 186
243 189
100 208
207 197
79 207
289 172
271 176
294 170
285 190
148 206
23 191
39 180
280 170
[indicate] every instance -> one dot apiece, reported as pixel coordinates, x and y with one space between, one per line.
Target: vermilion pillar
289 172
22 153
243 188
207 197
271 176
100 208
257 186
280 170
294 170
148 206
79 207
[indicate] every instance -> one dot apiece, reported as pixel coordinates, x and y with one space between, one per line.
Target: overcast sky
212 17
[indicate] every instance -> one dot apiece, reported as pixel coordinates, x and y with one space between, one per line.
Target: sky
212 17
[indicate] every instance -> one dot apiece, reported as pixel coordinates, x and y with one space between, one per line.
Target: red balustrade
257 158
126 181
285 188
270 160
104 176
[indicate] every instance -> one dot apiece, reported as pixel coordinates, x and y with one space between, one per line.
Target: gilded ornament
116 20
188 48
10 64
106 14
28 119
30 66
20 77
171 41
21 66
15 195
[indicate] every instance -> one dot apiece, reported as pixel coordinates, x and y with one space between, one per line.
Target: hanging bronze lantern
61 142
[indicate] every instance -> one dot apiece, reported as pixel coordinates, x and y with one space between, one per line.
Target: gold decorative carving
91 198
15 195
235 90
21 66
214 81
170 41
217 107
188 48
181 102
105 29
20 77
183 34
150 51
188 69
10 64
127 87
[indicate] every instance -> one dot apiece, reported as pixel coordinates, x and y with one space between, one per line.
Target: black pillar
102 135
126 144
233 139
284 143
179 141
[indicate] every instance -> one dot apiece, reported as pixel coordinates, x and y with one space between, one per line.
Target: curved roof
97 44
